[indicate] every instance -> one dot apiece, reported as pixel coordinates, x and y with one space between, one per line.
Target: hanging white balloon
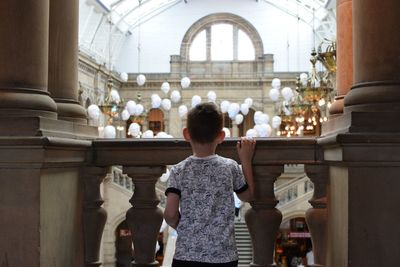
227 132
115 96
139 110
276 83
185 82
165 87
287 93
276 122
134 129
155 96
125 115
233 110
196 100
224 106
212 96
249 101
94 112
239 119
257 115
244 108
141 79
182 110
130 107
162 135
166 104
148 134
124 76
175 96
251 133
303 78
263 130
110 131
264 118
274 94
156 103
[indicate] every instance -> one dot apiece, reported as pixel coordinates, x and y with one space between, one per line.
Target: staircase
243 243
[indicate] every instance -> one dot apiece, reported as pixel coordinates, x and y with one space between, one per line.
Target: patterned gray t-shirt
206 227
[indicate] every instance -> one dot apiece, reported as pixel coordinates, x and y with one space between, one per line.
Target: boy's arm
245 148
171 212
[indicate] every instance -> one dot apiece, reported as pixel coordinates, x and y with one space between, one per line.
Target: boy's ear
186 134
221 137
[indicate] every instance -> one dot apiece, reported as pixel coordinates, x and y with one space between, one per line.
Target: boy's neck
203 150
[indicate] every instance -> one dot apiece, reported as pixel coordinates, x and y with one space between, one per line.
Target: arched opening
293 243
248 123
123 245
156 120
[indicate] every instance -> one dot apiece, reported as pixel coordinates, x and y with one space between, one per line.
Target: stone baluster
316 216
94 216
144 218
263 219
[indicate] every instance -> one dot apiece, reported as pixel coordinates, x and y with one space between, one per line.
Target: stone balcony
145 161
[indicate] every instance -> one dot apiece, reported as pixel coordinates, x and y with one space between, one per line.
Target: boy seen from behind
200 204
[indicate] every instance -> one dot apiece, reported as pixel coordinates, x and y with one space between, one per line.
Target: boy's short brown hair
204 123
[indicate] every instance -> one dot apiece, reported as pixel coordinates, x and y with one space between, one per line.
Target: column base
71 111
20 102
361 122
337 106
39 126
377 96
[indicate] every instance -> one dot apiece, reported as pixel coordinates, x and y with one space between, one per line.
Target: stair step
243 244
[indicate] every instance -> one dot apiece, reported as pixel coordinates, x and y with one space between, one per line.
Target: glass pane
222 42
198 48
246 49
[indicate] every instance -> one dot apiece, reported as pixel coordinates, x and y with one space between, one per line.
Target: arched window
221 37
227 42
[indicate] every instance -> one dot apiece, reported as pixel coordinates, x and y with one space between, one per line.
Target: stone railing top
156 152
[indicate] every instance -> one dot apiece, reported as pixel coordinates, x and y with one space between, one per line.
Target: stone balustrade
145 161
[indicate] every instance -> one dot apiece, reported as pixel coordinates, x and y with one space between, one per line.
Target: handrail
141 152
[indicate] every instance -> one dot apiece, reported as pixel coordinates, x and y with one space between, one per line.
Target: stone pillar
23 59
94 216
344 54
144 218
317 216
263 219
376 57
63 60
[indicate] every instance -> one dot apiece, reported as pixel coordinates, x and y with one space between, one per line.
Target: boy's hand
245 148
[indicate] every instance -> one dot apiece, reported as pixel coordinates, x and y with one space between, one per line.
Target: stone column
317 216
263 219
376 57
94 216
63 60
144 218
344 54
23 59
